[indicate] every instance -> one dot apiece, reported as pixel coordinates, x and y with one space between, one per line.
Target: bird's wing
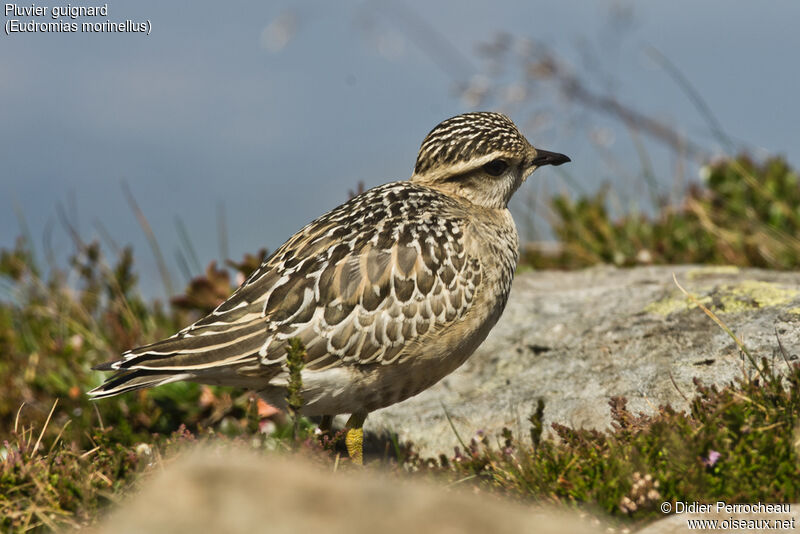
356 286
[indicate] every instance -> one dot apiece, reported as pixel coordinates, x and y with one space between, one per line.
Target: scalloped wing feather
356 286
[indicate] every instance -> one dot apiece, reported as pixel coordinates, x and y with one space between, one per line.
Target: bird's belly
365 388
351 387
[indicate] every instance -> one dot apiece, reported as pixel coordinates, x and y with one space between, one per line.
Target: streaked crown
470 138
481 157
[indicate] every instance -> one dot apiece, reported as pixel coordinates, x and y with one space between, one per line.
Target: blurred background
144 176
231 127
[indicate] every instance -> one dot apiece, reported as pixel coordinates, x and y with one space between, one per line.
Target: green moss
753 294
673 304
711 270
733 298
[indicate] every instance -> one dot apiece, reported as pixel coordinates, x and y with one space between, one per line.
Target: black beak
543 157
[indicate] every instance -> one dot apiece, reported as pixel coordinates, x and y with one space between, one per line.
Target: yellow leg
354 439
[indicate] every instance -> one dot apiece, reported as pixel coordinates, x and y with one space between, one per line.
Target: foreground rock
577 338
236 491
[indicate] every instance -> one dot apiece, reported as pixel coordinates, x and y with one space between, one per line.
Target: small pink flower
713 457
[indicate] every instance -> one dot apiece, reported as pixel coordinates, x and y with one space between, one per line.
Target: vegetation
64 458
736 444
746 214
51 333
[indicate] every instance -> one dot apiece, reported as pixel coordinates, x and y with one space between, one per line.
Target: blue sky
275 109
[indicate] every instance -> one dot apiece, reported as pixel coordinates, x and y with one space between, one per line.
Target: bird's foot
355 445
354 439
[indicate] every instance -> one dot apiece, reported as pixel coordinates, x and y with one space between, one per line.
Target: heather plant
735 443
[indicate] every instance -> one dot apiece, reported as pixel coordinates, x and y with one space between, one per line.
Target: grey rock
575 339
233 490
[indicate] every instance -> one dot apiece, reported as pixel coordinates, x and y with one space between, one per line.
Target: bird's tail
130 380
201 354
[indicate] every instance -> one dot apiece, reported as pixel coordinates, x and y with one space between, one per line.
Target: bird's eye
496 167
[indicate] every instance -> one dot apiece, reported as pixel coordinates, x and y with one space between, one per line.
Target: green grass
736 443
64 458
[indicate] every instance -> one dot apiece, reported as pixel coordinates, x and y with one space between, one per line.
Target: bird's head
479 156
